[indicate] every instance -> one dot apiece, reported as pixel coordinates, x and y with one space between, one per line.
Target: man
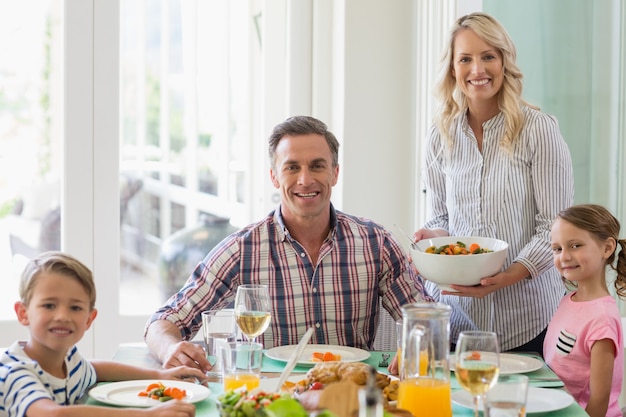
323 268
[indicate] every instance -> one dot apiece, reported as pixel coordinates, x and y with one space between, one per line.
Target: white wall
377 87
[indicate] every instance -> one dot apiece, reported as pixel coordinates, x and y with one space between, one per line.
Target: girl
584 342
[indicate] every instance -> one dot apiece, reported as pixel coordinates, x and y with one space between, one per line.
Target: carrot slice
153 386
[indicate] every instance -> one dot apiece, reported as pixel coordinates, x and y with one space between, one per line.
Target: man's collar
282 229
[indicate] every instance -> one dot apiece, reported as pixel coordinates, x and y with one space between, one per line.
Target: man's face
304 173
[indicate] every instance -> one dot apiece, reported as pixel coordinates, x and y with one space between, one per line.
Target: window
31 137
186 87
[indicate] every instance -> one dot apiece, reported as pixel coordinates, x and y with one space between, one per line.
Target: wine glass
477 361
252 310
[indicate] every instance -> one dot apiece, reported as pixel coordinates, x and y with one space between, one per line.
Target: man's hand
164 341
393 366
186 354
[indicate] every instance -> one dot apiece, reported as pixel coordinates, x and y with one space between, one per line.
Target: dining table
139 355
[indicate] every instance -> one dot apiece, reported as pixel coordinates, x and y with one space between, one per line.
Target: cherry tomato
316 385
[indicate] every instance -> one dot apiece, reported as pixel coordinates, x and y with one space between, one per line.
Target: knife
293 359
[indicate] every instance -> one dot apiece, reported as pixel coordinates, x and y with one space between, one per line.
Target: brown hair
56 263
302 125
598 221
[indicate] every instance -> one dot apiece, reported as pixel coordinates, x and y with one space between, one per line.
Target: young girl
584 342
46 375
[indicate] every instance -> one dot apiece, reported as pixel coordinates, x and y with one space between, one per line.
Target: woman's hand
429 233
513 274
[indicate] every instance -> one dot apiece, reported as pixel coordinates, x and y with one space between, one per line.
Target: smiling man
323 268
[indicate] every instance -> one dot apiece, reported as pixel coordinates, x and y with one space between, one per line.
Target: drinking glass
508 397
252 310
218 328
477 363
424 387
241 365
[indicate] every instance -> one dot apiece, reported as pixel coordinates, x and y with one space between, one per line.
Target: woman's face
477 68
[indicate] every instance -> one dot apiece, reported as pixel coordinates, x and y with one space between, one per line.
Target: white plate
512 364
540 400
269 384
348 354
125 393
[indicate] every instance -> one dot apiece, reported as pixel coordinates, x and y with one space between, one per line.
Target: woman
498 167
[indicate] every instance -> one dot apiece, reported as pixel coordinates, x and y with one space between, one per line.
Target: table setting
476 379
539 380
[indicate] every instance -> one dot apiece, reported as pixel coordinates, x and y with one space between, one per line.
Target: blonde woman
497 167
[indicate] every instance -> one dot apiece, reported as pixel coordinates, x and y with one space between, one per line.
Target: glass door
31 139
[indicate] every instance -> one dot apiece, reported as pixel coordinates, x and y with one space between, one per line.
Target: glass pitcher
424 360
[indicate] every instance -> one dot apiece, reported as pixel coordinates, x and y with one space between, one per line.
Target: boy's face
58 314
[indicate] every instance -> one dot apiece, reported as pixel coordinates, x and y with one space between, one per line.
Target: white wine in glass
252 310
477 365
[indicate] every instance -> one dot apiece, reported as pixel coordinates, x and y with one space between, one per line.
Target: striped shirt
512 197
359 264
23 381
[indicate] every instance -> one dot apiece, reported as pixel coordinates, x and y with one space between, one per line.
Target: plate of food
313 354
540 400
511 363
148 393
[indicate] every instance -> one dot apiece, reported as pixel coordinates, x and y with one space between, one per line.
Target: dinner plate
348 354
511 363
540 400
269 384
126 393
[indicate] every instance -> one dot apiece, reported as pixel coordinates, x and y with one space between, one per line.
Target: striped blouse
512 197
359 264
22 381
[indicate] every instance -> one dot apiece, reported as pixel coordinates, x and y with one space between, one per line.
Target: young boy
46 375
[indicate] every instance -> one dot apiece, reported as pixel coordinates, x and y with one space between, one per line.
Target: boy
46 375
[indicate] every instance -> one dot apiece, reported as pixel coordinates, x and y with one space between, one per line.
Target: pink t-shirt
567 346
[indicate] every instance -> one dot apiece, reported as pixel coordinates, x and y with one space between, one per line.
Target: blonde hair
56 263
453 102
599 222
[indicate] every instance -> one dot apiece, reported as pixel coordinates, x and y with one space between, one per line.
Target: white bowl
458 269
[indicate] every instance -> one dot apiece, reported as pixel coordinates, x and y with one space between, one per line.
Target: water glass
241 365
399 342
219 328
508 397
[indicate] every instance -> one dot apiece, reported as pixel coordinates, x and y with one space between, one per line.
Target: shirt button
302 255
314 289
317 325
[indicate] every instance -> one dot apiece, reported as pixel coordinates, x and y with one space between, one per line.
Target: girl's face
58 313
477 68
579 255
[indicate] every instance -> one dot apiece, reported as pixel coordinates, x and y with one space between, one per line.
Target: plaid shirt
359 263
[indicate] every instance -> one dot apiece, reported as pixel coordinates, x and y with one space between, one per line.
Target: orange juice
423 365
425 397
234 381
423 362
